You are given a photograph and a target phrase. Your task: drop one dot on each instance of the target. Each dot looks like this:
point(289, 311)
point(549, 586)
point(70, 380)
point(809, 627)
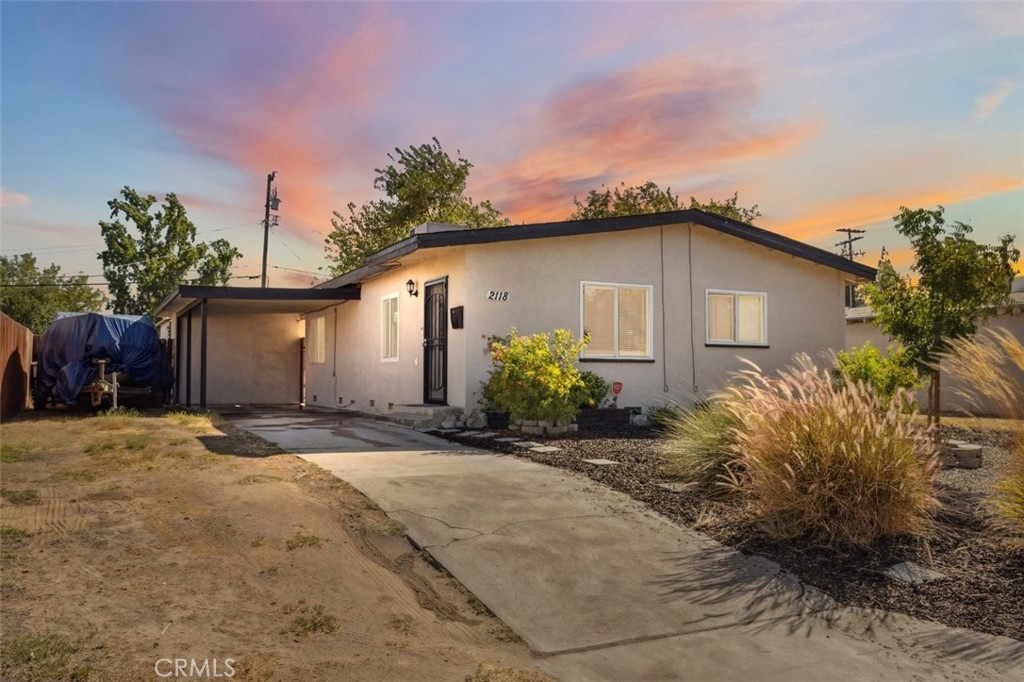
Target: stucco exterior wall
point(804, 303)
point(542, 278)
point(252, 358)
point(354, 373)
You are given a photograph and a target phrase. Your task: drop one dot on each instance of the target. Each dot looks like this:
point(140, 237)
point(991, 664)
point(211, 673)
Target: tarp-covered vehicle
point(89, 354)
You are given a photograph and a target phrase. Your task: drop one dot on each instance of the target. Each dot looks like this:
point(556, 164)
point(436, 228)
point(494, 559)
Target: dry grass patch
point(258, 478)
point(44, 658)
point(20, 497)
point(304, 538)
point(403, 623)
point(309, 620)
point(196, 422)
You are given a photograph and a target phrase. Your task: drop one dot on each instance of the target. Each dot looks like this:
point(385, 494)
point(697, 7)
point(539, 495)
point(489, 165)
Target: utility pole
point(272, 203)
point(847, 244)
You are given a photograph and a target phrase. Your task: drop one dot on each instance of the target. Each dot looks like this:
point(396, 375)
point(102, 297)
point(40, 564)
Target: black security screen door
point(435, 342)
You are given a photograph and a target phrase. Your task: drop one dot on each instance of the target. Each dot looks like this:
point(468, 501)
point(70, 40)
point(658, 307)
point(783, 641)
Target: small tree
point(34, 296)
point(143, 270)
point(650, 198)
point(957, 279)
point(884, 373)
point(423, 185)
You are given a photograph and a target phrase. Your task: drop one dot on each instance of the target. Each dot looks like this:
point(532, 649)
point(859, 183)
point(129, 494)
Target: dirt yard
point(134, 544)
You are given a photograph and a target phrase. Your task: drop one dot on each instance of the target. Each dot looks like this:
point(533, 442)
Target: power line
point(98, 284)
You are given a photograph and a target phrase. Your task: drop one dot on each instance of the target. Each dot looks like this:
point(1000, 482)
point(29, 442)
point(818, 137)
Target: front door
point(435, 342)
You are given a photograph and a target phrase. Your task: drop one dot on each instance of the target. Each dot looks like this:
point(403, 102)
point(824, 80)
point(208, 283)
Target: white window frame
point(650, 321)
point(735, 318)
point(385, 328)
point(317, 343)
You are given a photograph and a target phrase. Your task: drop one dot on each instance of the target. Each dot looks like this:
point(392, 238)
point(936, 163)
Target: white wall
point(805, 303)
point(360, 375)
point(542, 278)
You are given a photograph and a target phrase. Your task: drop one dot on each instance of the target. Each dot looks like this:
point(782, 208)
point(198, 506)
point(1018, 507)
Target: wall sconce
point(410, 286)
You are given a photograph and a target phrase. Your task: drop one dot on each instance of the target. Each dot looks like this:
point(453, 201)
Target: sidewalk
point(605, 589)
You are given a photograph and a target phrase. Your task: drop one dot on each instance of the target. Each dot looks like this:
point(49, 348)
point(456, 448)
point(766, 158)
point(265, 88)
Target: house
point(671, 301)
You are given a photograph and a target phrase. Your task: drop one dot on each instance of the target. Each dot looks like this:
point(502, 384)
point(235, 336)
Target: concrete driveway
point(604, 588)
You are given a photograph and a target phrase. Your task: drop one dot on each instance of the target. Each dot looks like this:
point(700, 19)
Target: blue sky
point(825, 115)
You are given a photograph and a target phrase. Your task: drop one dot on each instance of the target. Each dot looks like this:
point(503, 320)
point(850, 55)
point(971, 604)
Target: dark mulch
point(984, 564)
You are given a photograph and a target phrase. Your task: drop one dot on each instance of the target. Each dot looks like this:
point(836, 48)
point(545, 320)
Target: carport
point(241, 345)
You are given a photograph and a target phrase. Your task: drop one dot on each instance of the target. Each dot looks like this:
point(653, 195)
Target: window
point(618, 319)
point(317, 340)
point(737, 317)
point(389, 328)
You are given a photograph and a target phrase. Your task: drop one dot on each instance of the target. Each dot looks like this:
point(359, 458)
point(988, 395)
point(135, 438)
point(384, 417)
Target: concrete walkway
point(605, 589)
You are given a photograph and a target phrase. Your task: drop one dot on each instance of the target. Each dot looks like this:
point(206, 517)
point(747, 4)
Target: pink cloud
point(12, 198)
point(987, 103)
point(665, 119)
point(307, 123)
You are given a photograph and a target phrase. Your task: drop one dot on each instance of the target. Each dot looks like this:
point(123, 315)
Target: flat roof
point(253, 299)
point(378, 261)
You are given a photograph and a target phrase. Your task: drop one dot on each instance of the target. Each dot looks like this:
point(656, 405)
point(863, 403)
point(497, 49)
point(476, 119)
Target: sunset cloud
point(990, 101)
point(663, 119)
point(12, 198)
point(307, 124)
point(863, 210)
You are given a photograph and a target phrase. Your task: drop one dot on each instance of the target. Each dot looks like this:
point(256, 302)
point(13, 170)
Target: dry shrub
point(991, 367)
point(700, 443)
point(829, 462)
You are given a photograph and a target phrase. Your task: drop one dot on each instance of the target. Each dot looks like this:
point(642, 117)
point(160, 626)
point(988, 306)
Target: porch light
point(410, 286)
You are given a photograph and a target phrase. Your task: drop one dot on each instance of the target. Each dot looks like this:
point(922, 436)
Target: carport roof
point(252, 299)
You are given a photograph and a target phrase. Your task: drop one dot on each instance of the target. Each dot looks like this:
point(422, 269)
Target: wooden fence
point(16, 354)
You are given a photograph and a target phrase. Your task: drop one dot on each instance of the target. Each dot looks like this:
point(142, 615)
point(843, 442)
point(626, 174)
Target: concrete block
point(508, 440)
point(525, 444)
point(601, 462)
point(545, 448)
point(533, 430)
point(481, 435)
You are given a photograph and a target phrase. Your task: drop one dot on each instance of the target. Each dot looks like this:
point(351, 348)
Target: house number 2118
point(497, 295)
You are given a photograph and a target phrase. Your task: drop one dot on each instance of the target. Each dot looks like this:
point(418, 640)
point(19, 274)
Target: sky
point(825, 115)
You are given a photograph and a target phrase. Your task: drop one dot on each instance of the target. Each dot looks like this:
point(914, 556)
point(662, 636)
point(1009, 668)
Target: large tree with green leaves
point(957, 279)
point(149, 254)
point(34, 296)
point(609, 202)
point(422, 184)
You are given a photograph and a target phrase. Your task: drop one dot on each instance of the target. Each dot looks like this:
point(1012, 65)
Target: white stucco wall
point(252, 358)
point(543, 276)
point(354, 372)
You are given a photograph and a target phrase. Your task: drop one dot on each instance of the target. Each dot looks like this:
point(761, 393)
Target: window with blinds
point(317, 334)
point(737, 318)
point(389, 327)
point(618, 319)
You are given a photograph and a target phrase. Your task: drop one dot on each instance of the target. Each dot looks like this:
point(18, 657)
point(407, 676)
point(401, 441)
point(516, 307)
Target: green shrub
point(699, 443)
point(593, 392)
point(834, 462)
point(534, 377)
point(885, 373)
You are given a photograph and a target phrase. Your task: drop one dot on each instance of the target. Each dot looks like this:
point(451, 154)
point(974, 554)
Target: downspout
point(689, 272)
point(664, 320)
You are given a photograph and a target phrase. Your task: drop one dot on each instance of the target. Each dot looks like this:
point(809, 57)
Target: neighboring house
point(860, 329)
point(671, 301)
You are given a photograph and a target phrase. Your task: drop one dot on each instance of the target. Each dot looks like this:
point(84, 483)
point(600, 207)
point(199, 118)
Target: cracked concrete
point(608, 590)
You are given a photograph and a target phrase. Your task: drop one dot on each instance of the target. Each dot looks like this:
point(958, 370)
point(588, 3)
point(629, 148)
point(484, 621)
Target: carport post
point(177, 359)
point(202, 357)
point(188, 360)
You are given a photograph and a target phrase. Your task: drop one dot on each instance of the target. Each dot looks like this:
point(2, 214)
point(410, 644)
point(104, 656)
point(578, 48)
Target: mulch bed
point(983, 563)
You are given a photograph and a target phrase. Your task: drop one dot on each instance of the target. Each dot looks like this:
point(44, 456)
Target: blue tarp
point(130, 343)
